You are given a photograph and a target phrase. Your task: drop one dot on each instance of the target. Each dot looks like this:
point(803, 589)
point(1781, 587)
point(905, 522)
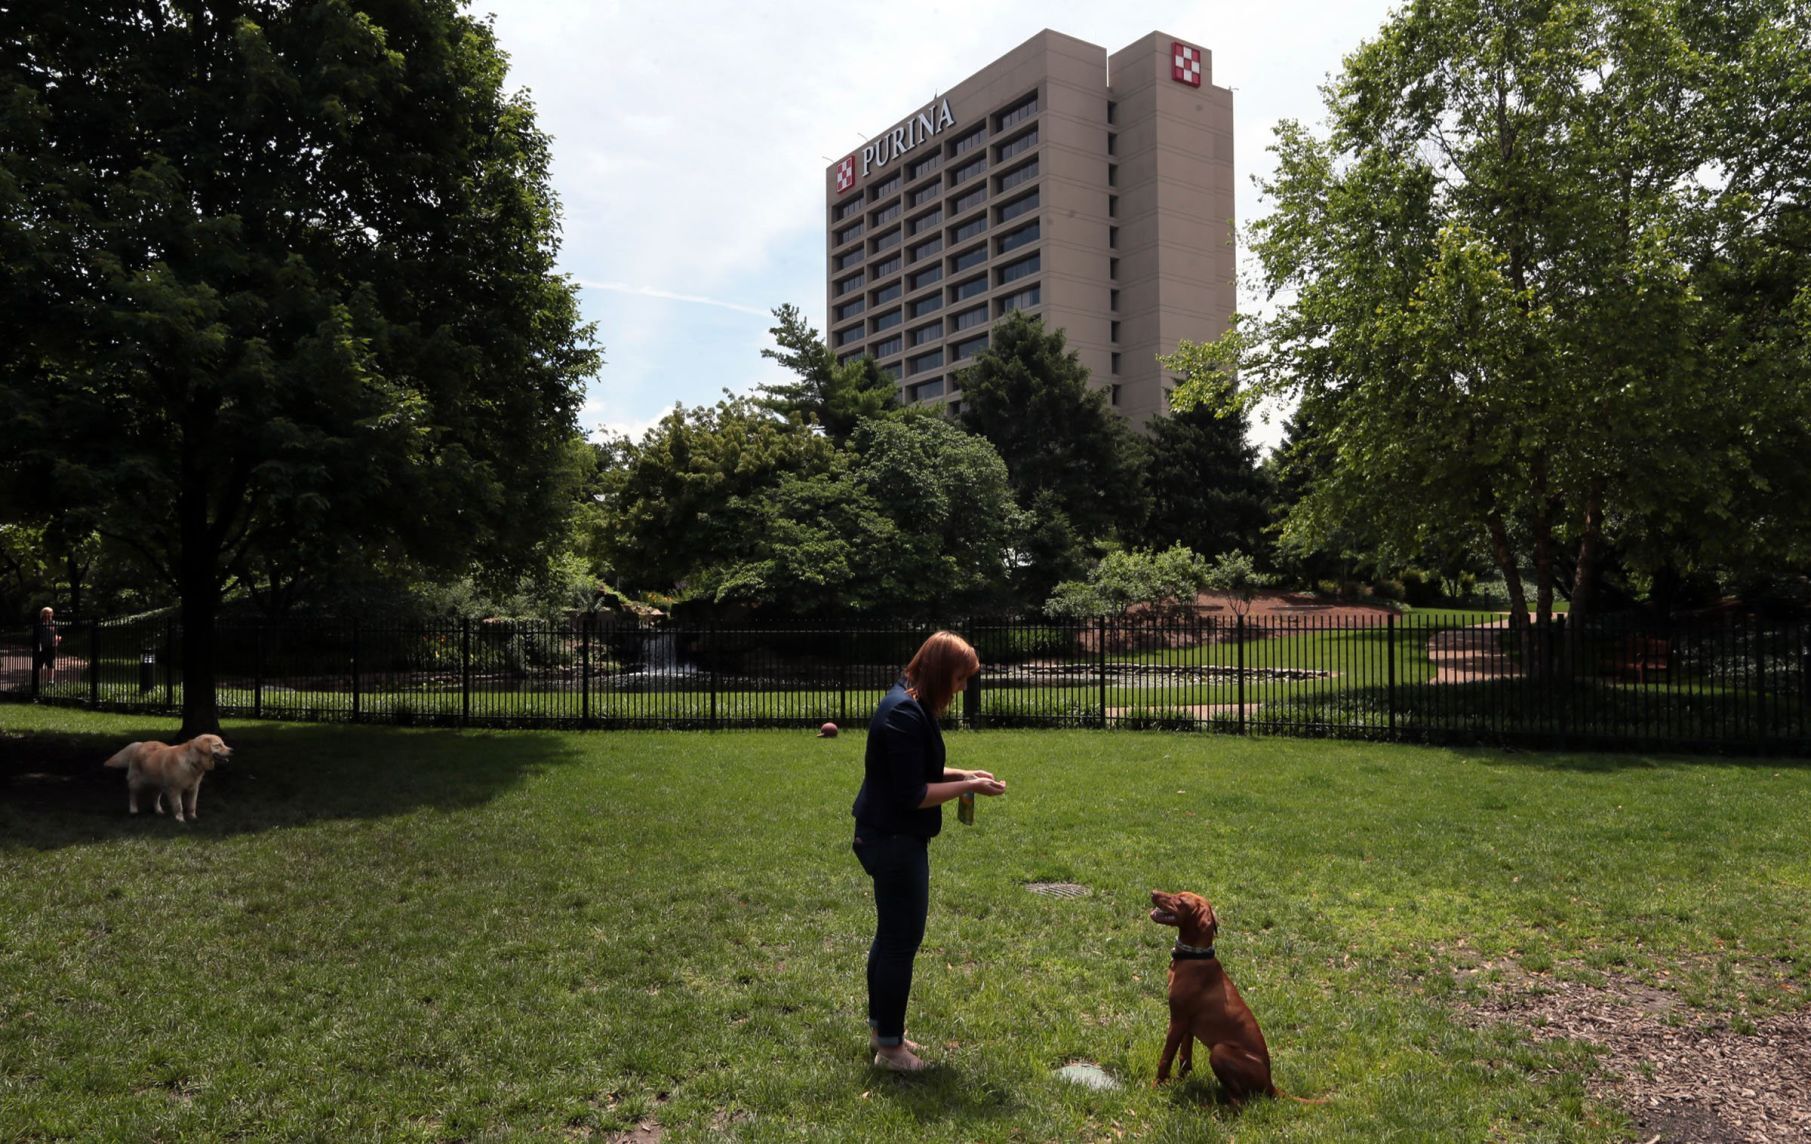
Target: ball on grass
point(827, 731)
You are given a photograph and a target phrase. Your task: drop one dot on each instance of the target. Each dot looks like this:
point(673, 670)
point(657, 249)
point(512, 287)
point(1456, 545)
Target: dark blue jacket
point(905, 754)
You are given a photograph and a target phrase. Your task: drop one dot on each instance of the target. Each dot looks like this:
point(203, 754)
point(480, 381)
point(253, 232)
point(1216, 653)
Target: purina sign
point(1185, 64)
point(890, 145)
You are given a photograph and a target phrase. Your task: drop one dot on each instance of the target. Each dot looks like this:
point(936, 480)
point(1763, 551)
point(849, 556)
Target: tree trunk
point(75, 586)
point(1512, 575)
point(1590, 550)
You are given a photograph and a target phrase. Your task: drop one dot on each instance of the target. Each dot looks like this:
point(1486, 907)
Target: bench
point(1641, 655)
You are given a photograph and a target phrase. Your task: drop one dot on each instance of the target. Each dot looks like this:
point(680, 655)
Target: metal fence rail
point(1736, 683)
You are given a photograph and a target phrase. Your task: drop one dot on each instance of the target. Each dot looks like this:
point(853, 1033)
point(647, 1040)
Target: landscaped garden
point(434, 935)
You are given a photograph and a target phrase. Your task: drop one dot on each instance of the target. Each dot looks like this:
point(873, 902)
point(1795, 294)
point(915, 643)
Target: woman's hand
point(980, 782)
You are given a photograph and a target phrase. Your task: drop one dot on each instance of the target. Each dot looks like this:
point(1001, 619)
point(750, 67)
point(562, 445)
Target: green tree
point(1513, 284)
point(1164, 583)
point(915, 518)
point(1234, 575)
point(1207, 489)
point(836, 396)
point(1072, 461)
point(680, 500)
point(279, 289)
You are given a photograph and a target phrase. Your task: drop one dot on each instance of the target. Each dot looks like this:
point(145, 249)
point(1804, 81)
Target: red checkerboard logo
point(845, 174)
point(1185, 64)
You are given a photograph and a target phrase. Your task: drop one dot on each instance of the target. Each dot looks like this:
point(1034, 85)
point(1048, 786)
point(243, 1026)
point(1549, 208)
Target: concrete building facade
point(1094, 190)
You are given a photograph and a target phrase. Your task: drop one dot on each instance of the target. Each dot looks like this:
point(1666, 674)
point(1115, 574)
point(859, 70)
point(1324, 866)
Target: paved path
point(1467, 655)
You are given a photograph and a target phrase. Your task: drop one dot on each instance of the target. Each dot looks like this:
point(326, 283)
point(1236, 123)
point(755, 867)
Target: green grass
point(423, 935)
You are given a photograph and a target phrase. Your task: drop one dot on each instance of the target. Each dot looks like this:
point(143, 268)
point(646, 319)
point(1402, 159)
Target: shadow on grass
point(943, 1093)
point(54, 791)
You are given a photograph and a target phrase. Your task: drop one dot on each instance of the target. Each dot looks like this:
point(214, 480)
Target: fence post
point(355, 695)
point(94, 663)
point(1101, 661)
point(842, 677)
point(971, 702)
point(1390, 654)
point(1240, 638)
point(716, 646)
point(36, 682)
point(465, 670)
point(1758, 636)
point(258, 669)
point(585, 668)
point(169, 666)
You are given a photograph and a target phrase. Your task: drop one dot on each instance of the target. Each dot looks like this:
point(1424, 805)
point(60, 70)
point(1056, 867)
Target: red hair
point(933, 673)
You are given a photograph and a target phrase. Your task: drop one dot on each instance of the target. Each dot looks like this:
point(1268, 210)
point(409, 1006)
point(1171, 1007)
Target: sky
point(690, 140)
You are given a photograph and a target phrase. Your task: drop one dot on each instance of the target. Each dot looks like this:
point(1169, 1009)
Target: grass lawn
point(426, 935)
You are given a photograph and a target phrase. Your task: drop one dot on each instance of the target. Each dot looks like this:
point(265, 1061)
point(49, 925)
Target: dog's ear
point(1204, 915)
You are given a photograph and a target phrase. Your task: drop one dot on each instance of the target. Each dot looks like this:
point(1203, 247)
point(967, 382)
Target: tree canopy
point(1545, 279)
point(279, 291)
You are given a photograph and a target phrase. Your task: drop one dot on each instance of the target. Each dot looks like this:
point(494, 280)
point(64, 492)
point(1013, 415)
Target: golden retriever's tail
point(124, 758)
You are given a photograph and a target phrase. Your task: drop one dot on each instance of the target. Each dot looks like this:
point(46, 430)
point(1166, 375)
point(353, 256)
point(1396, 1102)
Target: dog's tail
point(123, 759)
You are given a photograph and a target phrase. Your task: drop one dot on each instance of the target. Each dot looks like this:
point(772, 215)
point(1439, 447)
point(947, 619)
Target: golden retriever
point(176, 771)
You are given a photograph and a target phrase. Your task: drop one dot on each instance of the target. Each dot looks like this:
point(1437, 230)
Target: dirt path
point(1467, 655)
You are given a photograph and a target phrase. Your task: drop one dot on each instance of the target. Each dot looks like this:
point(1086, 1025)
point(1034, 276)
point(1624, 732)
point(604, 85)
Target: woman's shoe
point(900, 1060)
point(874, 1043)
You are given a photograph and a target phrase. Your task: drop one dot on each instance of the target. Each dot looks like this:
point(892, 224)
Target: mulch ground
point(1681, 1075)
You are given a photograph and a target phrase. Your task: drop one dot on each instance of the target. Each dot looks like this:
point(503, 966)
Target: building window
point(844, 210)
point(925, 305)
point(1021, 299)
point(926, 248)
point(887, 213)
point(1111, 108)
point(924, 361)
point(1018, 146)
point(1112, 299)
point(962, 351)
point(968, 319)
point(968, 258)
point(928, 218)
point(887, 348)
point(1115, 361)
point(926, 390)
point(1112, 142)
point(969, 142)
point(849, 258)
point(1113, 394)
point(1112, 206)
point(924, 194)
point(1113, 331)
point(885, 321)
point(849, 233)
point(968, 171)
point(1113, 268)
point(955, 408)
point(844, 337)
point(887, 241)
point(882, 190)
point(1013, 271)
point(1018, 175)
point(888, 293)
point(891, 371)
point(1113, 174)
point(851, 308)
point(969, 201)
point(968, 289)
point(1018, 112)
point(1018, 206)
point(924, 166)
point(844, 285)
point(1014, 239)
point(845, 359)
point(928, 275)
point(1113, 238)
point(925, 334)
point(883, 268)
point(968, 229)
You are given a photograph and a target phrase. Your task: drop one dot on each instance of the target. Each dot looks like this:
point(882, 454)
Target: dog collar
point(1192, 952)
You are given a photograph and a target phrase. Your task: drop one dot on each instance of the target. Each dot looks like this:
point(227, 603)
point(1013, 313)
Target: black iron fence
point(1737, 683)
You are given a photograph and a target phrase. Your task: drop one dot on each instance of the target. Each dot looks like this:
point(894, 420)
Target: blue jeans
point(900, 865)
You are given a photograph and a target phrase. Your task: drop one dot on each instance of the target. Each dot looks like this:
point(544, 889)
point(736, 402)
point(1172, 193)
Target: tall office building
point(1094, 190)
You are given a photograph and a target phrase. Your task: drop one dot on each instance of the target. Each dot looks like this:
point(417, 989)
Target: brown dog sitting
point(174, 771)
point(1206, 1006)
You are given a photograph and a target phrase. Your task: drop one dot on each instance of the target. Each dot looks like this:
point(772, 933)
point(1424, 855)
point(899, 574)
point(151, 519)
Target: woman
point(897, 812)
point(44, 641)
